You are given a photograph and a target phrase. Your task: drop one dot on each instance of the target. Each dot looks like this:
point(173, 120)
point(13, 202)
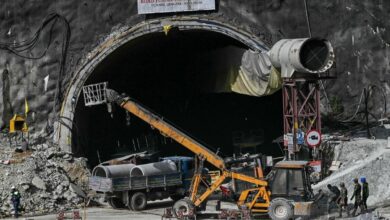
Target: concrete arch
point(62, 135)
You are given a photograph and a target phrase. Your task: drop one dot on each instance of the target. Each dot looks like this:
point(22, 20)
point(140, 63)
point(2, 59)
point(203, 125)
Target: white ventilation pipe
point(304, 55)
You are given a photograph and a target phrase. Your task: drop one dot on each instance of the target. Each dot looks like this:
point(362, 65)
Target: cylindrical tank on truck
point(132, 186)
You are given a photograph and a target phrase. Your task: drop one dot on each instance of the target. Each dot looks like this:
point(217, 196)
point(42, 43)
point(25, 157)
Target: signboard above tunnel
point(164, 6)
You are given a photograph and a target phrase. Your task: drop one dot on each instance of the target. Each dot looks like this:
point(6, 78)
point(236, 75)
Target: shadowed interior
point(182, 77)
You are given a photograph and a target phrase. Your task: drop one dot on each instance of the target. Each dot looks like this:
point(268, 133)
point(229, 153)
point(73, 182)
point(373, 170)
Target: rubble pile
point(48, 179)
point(362, 157)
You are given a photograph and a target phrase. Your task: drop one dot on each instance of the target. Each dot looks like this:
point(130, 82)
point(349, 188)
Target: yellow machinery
point(258, 203)
point(17, 123)
point(289, 183)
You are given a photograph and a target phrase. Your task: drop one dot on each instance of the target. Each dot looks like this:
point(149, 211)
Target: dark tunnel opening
point(177, 76)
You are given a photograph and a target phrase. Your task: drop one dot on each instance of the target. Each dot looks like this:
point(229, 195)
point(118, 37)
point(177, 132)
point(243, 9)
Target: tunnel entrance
point(176, 75)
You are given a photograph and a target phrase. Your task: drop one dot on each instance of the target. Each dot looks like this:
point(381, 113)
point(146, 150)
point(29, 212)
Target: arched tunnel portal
point(177, 75)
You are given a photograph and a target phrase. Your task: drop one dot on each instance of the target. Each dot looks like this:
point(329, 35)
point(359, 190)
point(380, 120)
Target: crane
point(259, 203)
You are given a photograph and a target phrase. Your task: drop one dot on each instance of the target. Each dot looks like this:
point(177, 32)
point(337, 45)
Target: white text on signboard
point(162, 6)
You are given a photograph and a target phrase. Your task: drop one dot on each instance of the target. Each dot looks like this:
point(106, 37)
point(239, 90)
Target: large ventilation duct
point(305, 55)
point(121, 170)
point(164, 167)
point(256, 77)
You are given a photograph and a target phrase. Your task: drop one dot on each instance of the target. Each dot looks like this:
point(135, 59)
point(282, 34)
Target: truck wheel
point(116, 203)
point(183, 207)
point(138, 201)
point(280, 209)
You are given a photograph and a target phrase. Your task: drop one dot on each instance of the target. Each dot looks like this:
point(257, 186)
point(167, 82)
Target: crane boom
point(166, 128)
point(202, 152)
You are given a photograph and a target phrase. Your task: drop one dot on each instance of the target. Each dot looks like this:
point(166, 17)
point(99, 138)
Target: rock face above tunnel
point(357, 30)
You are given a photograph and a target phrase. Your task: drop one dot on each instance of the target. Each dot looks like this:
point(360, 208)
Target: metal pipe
point(304, 55)
point(149, 169)
point(113, 171)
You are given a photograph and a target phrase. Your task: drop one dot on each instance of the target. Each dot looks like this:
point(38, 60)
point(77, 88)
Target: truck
point(120, 189)
point(283, 195)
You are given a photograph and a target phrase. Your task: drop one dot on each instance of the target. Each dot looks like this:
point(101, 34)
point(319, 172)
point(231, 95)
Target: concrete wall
point(357, 29)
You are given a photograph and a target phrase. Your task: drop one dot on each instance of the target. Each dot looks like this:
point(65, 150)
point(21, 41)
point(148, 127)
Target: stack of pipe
point(113, 171)
point(159, 168)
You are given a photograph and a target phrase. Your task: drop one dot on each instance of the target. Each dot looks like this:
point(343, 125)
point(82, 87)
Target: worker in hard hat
point(357, 194)
point(15, 199)
point(365, 192)
point(343, 200)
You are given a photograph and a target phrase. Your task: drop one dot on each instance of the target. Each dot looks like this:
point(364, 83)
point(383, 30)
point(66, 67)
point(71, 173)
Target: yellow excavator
point(203, 154)
point(289, 180)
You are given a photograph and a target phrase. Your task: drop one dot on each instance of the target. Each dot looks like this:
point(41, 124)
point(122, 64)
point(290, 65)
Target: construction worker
point(15, 199)
point(343, 200)
point(334, 196)
point(357, 194)
point(365, 192)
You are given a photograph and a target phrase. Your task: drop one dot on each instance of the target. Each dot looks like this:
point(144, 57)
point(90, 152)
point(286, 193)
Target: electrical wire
point(26, 46)
point(371, 88)
point(307, 18)
point(356, 111)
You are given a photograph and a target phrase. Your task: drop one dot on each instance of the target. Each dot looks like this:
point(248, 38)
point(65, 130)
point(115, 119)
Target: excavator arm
point(201, 151)
point(166, 128)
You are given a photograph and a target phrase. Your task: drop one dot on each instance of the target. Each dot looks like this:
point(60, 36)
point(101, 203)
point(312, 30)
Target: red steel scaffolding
point(301, 109)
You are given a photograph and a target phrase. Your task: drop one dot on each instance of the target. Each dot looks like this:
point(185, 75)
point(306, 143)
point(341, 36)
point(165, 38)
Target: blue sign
point(300, 137)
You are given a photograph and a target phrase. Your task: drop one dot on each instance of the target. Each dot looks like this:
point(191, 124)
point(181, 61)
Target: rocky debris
point(362, 157)
point(38, 182)
point(48, 179)
point(76, 189)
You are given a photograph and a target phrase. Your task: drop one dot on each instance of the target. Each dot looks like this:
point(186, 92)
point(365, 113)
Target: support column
point(301, 111)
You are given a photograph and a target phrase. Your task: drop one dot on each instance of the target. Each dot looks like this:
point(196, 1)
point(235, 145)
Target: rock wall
point(357, 30)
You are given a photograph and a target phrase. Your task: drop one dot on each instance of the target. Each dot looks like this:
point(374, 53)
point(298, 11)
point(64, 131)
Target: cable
point(26, 46)
point(357, 109)
point(371, 88)
point(65, 47)
point(307, 18)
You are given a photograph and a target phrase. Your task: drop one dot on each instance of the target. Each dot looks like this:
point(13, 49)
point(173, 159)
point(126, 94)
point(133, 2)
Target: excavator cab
point(291, 192)
point(290, 180)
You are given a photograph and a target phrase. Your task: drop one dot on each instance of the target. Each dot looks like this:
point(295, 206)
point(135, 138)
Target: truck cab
point(185, 166)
